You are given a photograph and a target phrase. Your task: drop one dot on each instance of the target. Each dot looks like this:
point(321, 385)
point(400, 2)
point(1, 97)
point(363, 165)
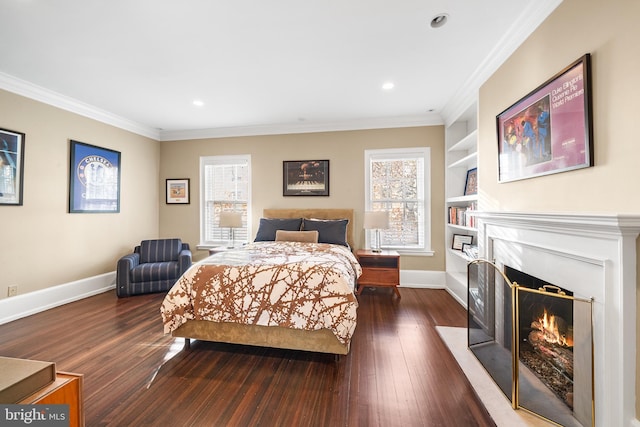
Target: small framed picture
point(178, 191)
point(471, 184)
point(459, 240)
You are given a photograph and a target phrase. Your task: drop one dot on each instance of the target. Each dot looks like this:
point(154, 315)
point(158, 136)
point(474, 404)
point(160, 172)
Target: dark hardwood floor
point(398, 373)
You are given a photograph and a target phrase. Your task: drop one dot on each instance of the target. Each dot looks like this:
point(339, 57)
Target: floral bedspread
point(297, 285)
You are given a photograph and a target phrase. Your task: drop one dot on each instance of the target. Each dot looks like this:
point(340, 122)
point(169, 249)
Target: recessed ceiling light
point(198, 103)
point(388, 86)
point(439, 20)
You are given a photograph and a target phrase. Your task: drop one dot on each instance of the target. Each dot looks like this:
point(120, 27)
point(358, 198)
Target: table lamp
point(376, 221)
point(231, 220)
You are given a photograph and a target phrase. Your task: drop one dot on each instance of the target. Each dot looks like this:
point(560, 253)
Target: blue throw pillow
point(329, 230)
point(268, 227)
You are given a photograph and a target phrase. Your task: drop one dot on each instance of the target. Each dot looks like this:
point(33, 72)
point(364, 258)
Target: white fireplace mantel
point(594, 256)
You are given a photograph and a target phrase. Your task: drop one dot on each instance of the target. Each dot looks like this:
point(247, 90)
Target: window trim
point(387, 153)
point(221, 160)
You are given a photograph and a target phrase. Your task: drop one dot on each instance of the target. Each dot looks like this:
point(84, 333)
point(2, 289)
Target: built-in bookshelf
point(461, 156)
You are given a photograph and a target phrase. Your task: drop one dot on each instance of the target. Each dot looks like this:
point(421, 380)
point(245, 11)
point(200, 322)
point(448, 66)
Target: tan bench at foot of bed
point(322, 341)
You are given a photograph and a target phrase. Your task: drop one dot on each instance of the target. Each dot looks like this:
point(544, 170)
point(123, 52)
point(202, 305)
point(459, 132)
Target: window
point(397, 181)
point(225, 185)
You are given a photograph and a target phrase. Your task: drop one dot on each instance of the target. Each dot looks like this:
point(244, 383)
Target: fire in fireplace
point(551, 329)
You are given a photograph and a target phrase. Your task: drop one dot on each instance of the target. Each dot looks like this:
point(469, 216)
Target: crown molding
point(431, 119)
point(534, 14)
point(38, 93)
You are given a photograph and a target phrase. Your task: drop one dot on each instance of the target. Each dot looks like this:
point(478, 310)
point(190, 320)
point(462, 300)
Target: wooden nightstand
point(379, 269)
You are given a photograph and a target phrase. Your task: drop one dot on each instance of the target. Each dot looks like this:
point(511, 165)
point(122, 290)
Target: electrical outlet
point(12, 291)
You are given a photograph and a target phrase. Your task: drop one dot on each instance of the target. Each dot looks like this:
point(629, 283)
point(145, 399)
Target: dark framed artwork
point(178, 191)
point(550, 130)
point(459, 240)
point(94, 179)
point(471, 184)
point(305, 178)
point(11, 167)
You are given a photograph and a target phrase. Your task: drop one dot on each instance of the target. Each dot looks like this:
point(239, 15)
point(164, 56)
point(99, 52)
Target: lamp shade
point(231, 219)
point(376, 220)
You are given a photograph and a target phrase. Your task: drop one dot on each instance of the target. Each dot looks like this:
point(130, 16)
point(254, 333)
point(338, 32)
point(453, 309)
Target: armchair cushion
point(153, 271)
point(160, 250)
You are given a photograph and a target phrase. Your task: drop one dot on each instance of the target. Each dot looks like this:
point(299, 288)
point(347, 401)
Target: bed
point(254, 295)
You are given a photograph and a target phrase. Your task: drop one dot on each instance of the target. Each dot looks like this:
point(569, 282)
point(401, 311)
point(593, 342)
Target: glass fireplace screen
point(535, 340)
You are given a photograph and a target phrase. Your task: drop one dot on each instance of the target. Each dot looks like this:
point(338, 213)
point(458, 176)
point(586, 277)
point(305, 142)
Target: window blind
point(225, 187)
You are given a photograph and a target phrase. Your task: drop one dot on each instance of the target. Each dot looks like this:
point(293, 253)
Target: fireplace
point(525, 335)
point(591, 258)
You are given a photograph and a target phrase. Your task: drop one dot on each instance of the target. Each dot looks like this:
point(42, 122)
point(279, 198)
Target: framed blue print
point(94, 179)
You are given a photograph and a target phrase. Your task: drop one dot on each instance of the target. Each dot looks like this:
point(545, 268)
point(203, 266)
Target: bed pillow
point(297, 236)
point(268, 227)
point(329, 230)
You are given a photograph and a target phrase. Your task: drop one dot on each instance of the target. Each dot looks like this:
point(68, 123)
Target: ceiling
point(258, 66)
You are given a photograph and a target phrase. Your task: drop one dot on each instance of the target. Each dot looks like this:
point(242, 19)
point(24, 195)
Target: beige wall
point(42, 244)
point(610, 32)
point(345, 151)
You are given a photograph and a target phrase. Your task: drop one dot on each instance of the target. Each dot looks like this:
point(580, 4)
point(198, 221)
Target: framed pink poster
point(550, 130)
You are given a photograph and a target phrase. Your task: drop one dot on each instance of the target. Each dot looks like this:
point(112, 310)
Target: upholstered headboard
point(317, 214)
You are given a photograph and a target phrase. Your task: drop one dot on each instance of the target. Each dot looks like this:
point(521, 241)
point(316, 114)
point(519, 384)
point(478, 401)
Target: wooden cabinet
point(66, 389)
point(379, 269)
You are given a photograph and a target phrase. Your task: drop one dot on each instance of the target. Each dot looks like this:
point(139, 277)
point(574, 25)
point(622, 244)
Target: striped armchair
point(154, 266)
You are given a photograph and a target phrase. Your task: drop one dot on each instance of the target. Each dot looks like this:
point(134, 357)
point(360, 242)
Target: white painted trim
point(24, 305)
point(307, 127)
point(424, 279)
point(535, 13)
point(38, 93)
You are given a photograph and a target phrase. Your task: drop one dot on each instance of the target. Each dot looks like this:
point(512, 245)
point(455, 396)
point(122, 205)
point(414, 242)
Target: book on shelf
point(462, 215)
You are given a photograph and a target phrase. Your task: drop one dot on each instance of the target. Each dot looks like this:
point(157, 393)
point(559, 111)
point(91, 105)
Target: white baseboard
point(422, 279)
point(13, 308)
